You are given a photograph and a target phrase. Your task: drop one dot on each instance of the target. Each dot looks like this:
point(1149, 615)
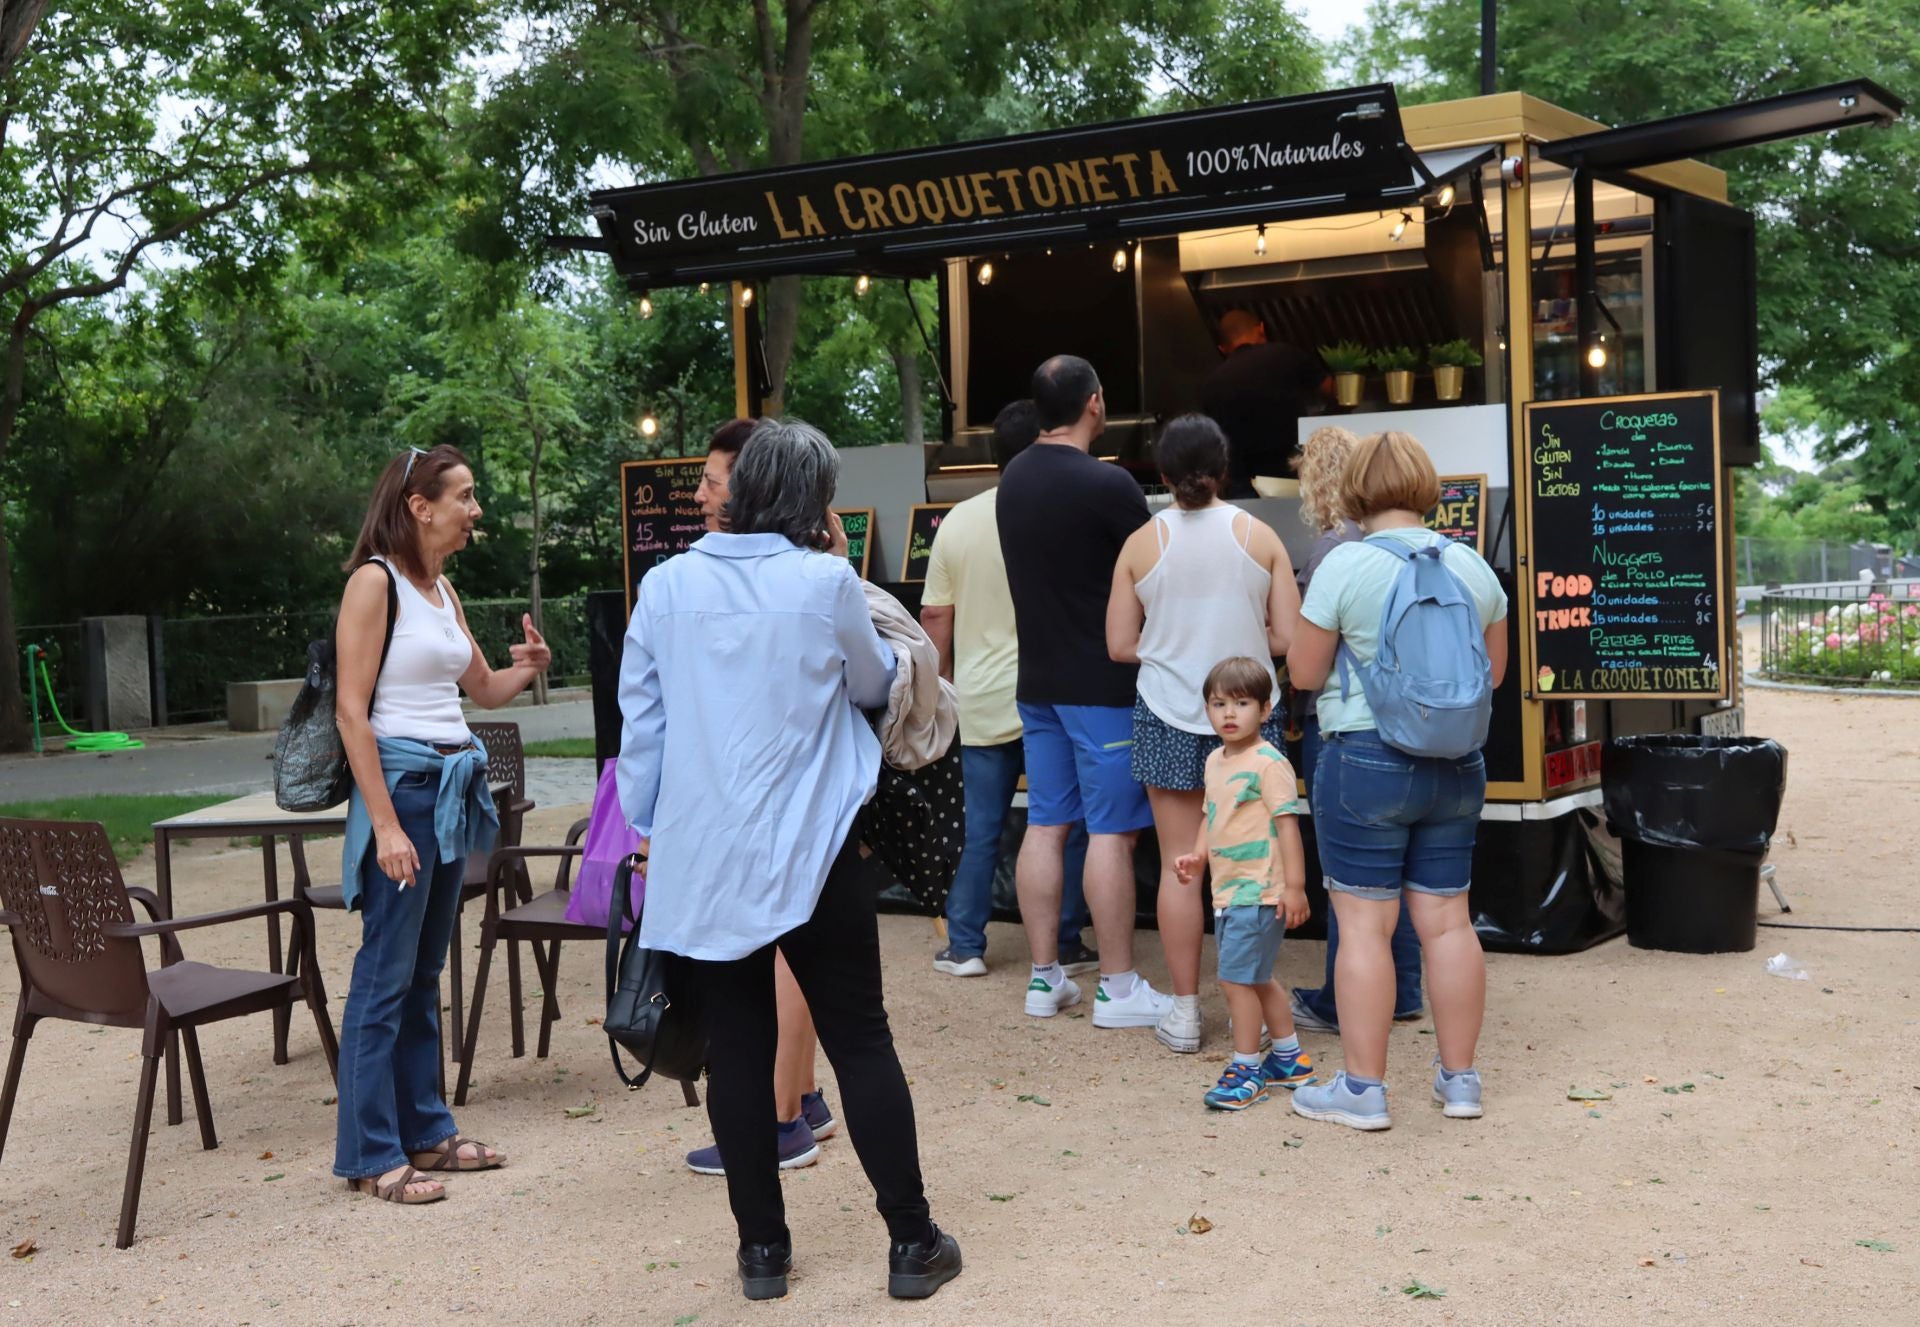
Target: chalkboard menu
point(858, 523)
point(923, 522)
point(1460, 514)
point(659, 514)
point(1624, 548)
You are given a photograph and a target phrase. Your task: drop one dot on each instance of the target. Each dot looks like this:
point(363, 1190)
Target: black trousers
point(835, 957)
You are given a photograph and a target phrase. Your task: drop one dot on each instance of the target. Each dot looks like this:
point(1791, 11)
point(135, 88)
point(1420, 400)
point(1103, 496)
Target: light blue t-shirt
point(1348, 593)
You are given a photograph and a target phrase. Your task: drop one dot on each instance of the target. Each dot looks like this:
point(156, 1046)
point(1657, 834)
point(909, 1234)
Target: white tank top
point(418, 694)
point(1206, 600)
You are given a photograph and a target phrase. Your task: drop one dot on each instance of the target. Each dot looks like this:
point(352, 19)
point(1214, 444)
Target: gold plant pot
point(1400, 387)
point(1449, 380)
point(1346, 388)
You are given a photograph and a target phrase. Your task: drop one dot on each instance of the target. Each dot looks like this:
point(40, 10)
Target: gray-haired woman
point(745, 760)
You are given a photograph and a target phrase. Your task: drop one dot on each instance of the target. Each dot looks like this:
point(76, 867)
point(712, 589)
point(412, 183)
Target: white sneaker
point(1044, 1001)
point(1181, 1029)
point(959, 965)
point(1142, 1009)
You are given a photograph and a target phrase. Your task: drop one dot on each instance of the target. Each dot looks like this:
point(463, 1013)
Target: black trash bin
point(1694, 816)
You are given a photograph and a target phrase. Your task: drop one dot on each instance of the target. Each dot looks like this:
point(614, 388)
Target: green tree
point(198, 134)
point(1837, 214)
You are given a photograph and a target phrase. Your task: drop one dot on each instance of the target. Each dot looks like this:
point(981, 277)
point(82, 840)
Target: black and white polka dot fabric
point(1170, 758)
point(916, 824)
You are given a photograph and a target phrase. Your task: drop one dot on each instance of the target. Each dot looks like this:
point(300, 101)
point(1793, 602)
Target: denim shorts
point(1387, 821)
point(1249, 942)
point(1078, 759)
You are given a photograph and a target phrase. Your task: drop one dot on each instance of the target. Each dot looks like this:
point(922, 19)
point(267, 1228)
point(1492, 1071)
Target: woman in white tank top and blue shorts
point(1203, 581)
point(419, 806)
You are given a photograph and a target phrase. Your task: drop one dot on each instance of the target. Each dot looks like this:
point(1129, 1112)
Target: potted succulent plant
point(1397, 364)
point(1451, 360)
point(1348, 362)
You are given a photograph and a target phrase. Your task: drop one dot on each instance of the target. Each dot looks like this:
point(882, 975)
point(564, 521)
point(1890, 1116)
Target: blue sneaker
point(1459, 1096)
point(797, 1149)
point(1239, 1087)
point(819, 1115)
point(1339, 1103)
point(1288, 1071)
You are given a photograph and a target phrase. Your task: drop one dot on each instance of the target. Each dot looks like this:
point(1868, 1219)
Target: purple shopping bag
point(609, 838)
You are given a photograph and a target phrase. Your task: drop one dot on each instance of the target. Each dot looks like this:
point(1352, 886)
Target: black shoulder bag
point(651, 1007)
point(310, 770)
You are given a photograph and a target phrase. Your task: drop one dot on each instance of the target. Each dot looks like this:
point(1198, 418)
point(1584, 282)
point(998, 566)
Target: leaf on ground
point(1419, 1289)
point(1649, 1079)
point(1877, 1245)
point(26, 1248)
point(1671, 1091)
point(1686, 1087)
point(1198, 1224)
point(580, 1112)
point(277, 1175)
point(329, 1101)
point(1648, 1262)
point(1595, 1115)
point(1036, 1100)
point(1000, 1197)
point(1473, 1198)
point(1808, 1262)
point(1588, 1094)
point(1291, 1142)
point(996, 1083)
point(266, 1156)
point(593, 1022)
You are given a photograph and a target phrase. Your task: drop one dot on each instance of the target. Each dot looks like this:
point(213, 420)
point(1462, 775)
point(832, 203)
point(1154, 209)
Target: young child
point(1252, 842)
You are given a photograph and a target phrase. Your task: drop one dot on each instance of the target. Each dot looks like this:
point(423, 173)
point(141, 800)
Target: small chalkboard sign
point(858, 523)
point(659, 514)
point(923, 522)
point(1460, 514)
point(1624, 558)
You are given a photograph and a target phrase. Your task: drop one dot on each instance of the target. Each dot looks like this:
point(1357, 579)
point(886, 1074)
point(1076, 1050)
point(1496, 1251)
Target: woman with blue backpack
point(1403, 634)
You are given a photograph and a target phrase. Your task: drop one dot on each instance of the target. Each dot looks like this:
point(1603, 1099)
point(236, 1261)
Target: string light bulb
point(704, 287)
point(646, 306)
point(746, 297)
point(1597, 355)
point(862, 284)
point(1446, 196)
point(1119, 260)
point(985, 275)
point(1260, 240)
point(649, 425)
point(1399, 230)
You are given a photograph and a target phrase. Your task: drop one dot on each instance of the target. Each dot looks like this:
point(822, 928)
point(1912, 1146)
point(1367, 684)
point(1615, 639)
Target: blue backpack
point(1430, 684)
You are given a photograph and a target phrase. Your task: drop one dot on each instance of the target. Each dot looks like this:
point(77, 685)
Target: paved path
point(208, 759)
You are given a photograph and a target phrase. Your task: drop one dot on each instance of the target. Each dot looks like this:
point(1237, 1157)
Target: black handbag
point(310, 770)
point(652, 1010)
point(917, 825)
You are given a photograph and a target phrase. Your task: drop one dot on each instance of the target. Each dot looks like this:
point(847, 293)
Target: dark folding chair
point(513, 913)
point(78, 948)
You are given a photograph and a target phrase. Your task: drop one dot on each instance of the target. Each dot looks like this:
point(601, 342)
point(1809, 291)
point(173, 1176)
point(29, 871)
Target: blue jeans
point(990, 774)
point(389, 1080)
point(1406, 942)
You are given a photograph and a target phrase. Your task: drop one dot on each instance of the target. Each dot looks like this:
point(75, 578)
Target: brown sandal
point(395, 1190)
point(447, 1156)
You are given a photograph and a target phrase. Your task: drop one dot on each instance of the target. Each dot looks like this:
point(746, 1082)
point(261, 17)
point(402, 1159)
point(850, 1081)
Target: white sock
point(1052, 974)
point(1291, 1046)
point(1118, 985)
point(1187, 1004)
point(1251, 1058)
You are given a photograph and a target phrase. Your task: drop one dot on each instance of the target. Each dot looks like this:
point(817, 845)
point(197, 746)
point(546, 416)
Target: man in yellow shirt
point(968, 611)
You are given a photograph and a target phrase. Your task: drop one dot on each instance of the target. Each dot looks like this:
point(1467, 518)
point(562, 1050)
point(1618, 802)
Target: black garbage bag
point(1694, 816)
point(1683, 790)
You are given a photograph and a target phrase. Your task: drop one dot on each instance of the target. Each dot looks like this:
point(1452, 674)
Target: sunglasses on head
point(415, 454)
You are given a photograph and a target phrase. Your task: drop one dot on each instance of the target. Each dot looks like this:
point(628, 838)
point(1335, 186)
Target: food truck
point(1599, 277)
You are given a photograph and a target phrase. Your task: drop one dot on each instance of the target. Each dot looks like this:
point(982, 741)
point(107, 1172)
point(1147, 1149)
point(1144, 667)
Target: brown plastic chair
point(78, 948)
point(506, 772)
point(515, 913)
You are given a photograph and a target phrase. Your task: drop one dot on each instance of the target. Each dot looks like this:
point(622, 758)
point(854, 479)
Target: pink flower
point(1819, 619)
point(1833, 640)
point(1911, 610)
point(1869, 633)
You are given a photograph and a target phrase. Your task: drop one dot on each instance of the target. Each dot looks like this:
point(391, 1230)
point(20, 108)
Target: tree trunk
point(913, 416)
point(534, 606)
point(780, 327)
point(14, 735)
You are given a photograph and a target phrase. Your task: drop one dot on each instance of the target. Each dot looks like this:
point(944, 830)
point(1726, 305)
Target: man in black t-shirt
point(1063, 516)
point(1257, 397)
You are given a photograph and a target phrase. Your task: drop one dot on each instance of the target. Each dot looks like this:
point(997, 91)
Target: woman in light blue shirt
point(745, 759)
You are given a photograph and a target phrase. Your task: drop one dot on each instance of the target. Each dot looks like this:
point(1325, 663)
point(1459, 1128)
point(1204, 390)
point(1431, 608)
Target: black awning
point(1636, 146)
point(903, 213)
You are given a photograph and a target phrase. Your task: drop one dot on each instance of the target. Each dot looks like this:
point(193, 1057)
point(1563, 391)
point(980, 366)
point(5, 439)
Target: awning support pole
point(1586, 299)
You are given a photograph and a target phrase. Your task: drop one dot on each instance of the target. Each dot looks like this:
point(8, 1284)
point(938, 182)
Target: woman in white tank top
point(1203, 581)
point(419, 806)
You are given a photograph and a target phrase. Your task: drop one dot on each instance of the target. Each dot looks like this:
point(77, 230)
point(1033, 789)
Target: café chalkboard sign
point(858, 523)
point(923, 522)
point(659, 514)
point(1624, 556)
point(1460, 514)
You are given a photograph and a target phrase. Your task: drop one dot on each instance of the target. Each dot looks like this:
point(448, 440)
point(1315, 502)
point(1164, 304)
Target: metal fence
point(203, 654)
point(1842, 633)
point(1814, 561)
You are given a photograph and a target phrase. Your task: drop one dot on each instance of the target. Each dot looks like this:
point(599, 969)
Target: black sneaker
point(764, 1268)
point(915, 1271)
point(1076, 958)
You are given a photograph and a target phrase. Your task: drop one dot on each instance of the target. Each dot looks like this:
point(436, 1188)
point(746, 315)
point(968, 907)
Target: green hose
point(76, 740)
